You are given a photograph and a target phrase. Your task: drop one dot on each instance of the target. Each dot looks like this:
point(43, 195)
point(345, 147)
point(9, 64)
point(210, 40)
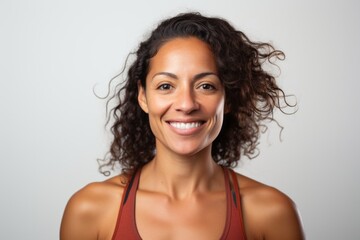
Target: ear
point(142, 98)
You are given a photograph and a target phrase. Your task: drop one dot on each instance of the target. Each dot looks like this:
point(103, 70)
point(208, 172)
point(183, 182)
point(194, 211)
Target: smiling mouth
point(185, 126)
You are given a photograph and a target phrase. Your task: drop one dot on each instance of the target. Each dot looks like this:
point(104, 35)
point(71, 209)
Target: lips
point(185, 125)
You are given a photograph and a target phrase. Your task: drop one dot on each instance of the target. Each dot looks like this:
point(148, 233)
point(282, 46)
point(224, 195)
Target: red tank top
point(126, 226)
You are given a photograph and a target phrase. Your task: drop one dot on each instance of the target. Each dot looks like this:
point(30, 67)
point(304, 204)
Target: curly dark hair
point(251, 93)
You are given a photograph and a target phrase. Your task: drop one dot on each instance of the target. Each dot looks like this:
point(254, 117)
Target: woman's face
point(184, 97)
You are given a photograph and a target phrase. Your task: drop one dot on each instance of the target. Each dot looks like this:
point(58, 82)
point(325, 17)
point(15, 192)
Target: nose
point(186, 101)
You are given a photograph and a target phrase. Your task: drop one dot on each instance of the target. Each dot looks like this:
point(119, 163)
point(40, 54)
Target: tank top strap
point(126, 225)
point(228, 205)
point(237, 229)
point(236, 190)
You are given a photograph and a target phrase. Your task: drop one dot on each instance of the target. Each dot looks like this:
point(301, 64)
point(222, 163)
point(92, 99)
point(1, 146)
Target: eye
point(207, 86)
point(165, 86)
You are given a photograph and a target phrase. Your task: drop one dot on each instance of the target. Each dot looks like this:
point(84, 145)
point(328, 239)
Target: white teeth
point(182, 125)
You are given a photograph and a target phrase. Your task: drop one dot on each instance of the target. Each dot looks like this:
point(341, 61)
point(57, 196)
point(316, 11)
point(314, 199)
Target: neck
point(181, 176)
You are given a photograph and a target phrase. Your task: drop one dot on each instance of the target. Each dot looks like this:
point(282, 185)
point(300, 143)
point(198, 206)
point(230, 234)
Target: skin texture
point(182, 180)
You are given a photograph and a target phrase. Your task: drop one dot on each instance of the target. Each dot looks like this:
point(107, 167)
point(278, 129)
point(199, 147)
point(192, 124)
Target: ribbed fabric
point(234, 228)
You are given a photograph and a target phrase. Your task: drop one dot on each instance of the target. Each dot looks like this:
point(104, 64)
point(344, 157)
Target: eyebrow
point(196, 77)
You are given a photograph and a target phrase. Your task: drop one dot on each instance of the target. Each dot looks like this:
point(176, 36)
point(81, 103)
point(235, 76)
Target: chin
point(188, 151)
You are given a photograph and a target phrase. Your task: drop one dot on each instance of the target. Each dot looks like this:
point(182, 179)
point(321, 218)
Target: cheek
point(215, 110)
point(219, 106)
point(157, 105)
point(220, 112)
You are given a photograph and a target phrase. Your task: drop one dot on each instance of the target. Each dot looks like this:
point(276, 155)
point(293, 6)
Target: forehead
point(189, 52)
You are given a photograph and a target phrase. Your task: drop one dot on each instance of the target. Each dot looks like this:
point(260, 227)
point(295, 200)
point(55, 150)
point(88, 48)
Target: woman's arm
point(284, 222)
point(80, 216)
point(268, 213)
point(91, 213)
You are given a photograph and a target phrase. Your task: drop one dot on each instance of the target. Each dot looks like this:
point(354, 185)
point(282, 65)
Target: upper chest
point(200, 217)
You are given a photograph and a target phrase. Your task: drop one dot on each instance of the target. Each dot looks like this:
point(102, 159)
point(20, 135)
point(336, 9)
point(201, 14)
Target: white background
point(52, 54)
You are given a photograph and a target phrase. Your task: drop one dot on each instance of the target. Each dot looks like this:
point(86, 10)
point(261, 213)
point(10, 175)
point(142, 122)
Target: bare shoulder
point(268, 212)
point(91, 212)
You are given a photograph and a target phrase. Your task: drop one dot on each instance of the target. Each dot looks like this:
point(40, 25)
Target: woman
point(192, 104)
